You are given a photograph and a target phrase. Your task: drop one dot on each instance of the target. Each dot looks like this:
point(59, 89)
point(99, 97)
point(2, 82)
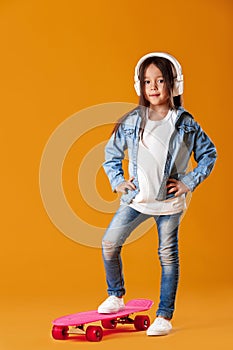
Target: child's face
point(155, 90)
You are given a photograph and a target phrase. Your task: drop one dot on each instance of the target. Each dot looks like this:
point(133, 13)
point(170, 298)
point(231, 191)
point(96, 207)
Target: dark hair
point(169, 73)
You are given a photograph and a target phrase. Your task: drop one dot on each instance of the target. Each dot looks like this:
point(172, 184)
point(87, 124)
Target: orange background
point(58, 58)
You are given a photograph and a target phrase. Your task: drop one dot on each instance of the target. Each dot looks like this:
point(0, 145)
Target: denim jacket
point(187, 138)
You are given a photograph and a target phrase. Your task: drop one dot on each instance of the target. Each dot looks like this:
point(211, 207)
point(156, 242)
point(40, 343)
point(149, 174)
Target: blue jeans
point(123, 223)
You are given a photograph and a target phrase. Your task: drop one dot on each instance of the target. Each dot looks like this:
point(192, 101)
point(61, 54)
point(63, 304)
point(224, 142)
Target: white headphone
point(178, 81)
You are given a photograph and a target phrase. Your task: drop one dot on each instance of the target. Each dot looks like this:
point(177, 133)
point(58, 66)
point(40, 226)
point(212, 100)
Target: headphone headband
point(178, 81)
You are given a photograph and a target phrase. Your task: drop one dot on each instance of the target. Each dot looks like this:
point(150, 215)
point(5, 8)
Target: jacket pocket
point(128, 132)
point(187, 134)
point(186, 128)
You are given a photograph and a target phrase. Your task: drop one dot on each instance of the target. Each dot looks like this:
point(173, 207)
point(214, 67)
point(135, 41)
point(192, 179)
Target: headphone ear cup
point(178, 87)
point(137, 87)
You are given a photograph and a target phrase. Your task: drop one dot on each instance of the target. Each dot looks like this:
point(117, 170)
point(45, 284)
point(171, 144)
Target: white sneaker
point(160, 326)
point(112, 304)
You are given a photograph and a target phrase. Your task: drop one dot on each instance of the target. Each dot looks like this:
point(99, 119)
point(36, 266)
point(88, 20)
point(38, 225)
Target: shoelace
point(111, 300)
point(161, 321)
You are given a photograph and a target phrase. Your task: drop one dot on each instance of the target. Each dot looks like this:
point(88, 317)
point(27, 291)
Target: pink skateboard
point(74, 323)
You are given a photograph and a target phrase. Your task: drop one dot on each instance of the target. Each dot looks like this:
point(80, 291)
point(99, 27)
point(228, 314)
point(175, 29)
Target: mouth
point(155, 95)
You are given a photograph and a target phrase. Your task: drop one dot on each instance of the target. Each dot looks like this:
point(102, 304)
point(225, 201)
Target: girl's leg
point(123, 223)
point(168, 226)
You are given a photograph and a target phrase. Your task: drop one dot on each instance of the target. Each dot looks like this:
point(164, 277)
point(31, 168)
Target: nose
point(154, 86)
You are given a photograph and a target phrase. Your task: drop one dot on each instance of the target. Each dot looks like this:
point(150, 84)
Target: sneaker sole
point(158, 333)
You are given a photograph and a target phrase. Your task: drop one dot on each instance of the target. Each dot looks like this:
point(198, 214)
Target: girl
point(160, 136)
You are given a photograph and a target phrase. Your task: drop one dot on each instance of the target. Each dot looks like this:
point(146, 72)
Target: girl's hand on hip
point(125, 186)
point(176, 186)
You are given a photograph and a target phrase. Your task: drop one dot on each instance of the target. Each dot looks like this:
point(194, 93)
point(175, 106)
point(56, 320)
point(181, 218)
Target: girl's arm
point(205, 155)
point(114, 154)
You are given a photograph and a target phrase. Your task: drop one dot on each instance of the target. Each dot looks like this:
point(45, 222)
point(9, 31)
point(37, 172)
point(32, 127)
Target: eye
point(146, 82)
point(160, 81)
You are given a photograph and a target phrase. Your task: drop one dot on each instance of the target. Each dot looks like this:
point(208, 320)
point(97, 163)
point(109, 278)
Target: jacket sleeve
point(205, 156)
point(114, 154)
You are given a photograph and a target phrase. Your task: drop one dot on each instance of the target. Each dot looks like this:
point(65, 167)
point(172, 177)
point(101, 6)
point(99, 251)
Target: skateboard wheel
point(109, 324)
point(141, 323)
point(60, 333)
point(94, 333)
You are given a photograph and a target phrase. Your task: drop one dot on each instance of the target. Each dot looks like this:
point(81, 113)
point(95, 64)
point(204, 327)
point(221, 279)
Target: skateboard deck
point(62, 325)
